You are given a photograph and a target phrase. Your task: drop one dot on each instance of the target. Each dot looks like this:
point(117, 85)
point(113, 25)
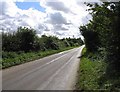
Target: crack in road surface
point(55, 72)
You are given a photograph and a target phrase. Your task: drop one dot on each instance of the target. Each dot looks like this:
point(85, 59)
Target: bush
point(9, 55)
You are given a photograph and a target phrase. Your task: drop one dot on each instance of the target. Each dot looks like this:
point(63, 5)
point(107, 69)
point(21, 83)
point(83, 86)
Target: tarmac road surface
point(54, 72)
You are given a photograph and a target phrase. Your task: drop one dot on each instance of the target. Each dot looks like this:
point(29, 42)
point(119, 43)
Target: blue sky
point(27, 5)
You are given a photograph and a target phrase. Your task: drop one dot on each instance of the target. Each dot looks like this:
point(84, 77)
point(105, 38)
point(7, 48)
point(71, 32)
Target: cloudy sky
point(59, 17)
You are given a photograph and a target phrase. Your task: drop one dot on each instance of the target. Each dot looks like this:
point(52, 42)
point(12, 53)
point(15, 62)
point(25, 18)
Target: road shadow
point(80, 56)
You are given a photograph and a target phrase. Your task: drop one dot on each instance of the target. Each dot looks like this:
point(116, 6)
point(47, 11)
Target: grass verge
point(89, 73)
point(97, 75)
point(13, 58)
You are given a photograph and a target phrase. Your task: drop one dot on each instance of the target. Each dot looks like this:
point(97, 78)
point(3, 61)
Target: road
point(55, 72)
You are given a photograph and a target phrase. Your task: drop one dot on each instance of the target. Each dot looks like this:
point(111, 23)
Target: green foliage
point(96, 75)
point(102, 37)
point(22, 40)
point(26, 40)
point(10, 42)
point(89, 72)
point(9, 55)
point(50, 42)
point(103, 31)
point(91, 38)
point(16, 58)
point(24, 46)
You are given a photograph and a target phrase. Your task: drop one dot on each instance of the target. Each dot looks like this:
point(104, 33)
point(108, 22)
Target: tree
point(91, 38)
point(26, 38)
point(103, 29)
point(10, 42)
point(50, 42)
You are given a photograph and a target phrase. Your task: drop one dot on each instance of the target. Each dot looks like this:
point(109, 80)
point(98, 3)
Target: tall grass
point(97, 75)
point(89, 73)
point(15, 58)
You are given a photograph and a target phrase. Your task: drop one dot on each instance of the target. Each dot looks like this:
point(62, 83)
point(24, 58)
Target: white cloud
point(58, 6)
point(13, 17)
point(61, 18)
point(56, 18)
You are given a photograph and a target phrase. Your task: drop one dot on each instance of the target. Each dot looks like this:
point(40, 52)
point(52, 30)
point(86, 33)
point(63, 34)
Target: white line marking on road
point(51, 78)
point(28, 73)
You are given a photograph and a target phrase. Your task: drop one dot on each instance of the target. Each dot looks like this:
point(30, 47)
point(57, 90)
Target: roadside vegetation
point(100, 60)
point(16, 58)
point(24, 46)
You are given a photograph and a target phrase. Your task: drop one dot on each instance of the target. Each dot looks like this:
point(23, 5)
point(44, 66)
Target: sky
point(60, 18)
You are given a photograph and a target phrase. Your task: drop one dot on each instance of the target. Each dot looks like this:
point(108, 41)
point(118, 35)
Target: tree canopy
point(26, 39)
point(103, 31)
